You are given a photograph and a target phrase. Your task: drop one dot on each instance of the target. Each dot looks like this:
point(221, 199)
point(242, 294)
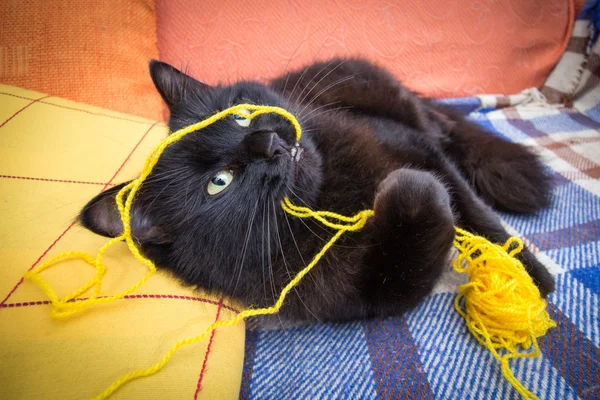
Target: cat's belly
point(358, 159)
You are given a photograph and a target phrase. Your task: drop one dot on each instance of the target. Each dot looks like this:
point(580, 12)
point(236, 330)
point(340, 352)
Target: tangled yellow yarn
point(502, 306)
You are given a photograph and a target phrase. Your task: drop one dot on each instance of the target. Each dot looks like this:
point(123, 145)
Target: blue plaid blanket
point(428, 353)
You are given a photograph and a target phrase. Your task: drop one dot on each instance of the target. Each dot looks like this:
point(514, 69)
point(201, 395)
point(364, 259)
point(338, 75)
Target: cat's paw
point(413, 194)
point(414, 229)
point(414, 206)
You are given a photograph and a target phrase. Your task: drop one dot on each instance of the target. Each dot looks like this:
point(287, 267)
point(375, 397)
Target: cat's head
point(209, 208)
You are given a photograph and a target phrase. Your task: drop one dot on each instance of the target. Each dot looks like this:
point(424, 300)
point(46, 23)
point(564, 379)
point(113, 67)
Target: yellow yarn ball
point(501, 304)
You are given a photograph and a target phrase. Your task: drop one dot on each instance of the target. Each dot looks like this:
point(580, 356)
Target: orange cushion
point(441, 48)
point(95, 52)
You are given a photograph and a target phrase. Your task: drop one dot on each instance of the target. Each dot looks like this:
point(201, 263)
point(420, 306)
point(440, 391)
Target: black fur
point(368, 143)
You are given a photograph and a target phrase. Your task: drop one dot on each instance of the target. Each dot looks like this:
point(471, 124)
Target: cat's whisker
point(322, 227)
point(294, 54)
point(245, 247)
point(262, 252)
point(273, 288)
point(319, 81)
point(326, 88)
point(329, 87)
point(154, 177)
point(149, 206)
point(326, 111)
point(304, 222)
point(290, 276)
point(165, 175)
point(296, 85)
point(313, 60)
point(187, 196)
point(297, 101)
point(194, 206)
point(303, 118)
point(296, 193)
point(272, 280)
point(287, 220)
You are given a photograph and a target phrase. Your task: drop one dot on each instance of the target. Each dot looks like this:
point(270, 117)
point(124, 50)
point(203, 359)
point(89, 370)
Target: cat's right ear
point(102, 217)
point(173, 84)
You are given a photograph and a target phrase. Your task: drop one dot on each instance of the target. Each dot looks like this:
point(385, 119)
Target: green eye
point(241, 120)
point(219, 182)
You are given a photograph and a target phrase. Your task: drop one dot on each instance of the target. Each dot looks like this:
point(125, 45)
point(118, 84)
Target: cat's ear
point(101, 216)
point(172, 84)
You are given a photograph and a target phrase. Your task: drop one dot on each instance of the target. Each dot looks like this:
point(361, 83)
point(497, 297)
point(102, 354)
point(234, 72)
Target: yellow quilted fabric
point(55, 155)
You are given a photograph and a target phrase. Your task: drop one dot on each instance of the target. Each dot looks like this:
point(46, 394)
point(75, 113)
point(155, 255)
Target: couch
point(78, 114)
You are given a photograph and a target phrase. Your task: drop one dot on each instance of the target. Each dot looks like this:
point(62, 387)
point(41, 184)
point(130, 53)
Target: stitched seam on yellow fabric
point(495, 324)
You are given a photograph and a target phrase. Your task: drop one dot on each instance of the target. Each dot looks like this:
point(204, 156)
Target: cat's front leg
point(414, 230)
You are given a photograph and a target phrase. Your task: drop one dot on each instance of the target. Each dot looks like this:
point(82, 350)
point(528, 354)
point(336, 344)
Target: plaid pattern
point(429, 353)
point(586, 98)
point(569, 72)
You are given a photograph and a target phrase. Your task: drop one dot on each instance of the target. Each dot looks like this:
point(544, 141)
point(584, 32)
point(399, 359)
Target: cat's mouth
point(296, 152)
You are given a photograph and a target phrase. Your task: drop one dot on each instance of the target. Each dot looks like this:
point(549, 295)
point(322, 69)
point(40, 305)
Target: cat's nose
point(265, 144)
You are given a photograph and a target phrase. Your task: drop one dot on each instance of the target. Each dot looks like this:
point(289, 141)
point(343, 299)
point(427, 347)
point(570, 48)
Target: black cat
point(210, 210)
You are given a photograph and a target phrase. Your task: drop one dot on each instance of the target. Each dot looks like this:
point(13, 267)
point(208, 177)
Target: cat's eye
point(219, 182)
point(241, 120)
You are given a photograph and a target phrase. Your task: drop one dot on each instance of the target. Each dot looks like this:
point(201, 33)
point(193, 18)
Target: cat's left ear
point(101, 216)
point(173, 84)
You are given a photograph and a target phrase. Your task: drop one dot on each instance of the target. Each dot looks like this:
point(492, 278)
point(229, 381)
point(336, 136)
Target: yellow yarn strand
point(65, 307)
point(502, 306)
